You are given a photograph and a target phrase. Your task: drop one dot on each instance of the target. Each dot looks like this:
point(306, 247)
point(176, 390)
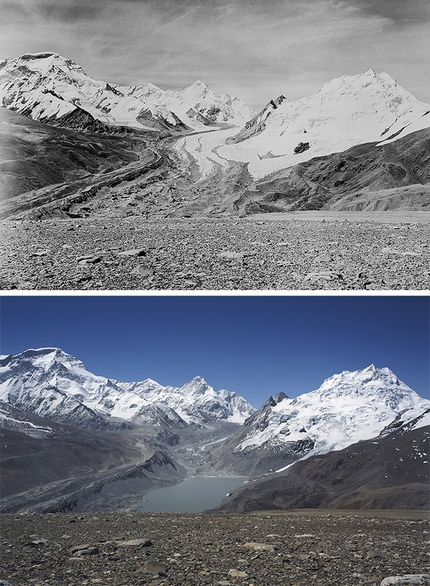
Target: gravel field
point(296, 548)
point(298, 251)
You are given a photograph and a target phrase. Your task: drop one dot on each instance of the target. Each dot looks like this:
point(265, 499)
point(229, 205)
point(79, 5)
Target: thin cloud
point(51, 11)
point(250, 48)
point(399, 12)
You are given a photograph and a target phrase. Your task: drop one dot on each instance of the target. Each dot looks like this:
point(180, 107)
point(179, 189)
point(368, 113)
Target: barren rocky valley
point(302, 250)
point(293, 548)
point(107, 208)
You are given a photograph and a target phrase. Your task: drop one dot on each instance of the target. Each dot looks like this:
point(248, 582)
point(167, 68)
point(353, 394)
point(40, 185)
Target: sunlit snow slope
point(56, 385)
point(347, 111)
point(346, 408)
point(48, 87)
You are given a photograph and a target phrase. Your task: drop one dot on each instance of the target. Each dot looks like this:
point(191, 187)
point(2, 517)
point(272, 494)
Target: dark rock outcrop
point(257, 124)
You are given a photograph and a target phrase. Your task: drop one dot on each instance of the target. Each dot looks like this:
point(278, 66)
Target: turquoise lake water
point(194, 495)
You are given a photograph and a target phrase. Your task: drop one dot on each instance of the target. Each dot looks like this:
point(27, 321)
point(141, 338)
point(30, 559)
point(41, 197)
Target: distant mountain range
point(57, 386)
point(360, 143)
point(51, 404)
point(350, 110)
point(49, 88)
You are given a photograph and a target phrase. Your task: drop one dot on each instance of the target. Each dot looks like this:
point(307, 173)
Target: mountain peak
point(196, 386)
point(43, 62)
point(40, 55)
point(274, 400)
point(347, 407)
point(47, 86)
point(199, 84)
point(362, 378)
point(370, 72)
point(33, 379)
point(195, 92)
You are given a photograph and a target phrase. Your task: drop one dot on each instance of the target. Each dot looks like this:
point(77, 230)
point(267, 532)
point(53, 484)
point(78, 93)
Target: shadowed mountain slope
point(383, 473)
point(365, 177)
point(35, 155)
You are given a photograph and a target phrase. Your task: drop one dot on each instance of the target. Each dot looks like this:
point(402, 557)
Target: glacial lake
point(194, 495)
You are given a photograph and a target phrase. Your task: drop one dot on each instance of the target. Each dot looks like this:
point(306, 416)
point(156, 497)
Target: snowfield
point(52, 383)
point(347, 408)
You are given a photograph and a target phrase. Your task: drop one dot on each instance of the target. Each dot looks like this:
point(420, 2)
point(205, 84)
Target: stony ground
point(292, 549)
point(290, 252)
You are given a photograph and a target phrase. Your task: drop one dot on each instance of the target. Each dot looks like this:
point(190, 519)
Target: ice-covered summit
point(349, 110)
point(346, 408)
point(56, 385)
point(49, 88)
point(47, 61)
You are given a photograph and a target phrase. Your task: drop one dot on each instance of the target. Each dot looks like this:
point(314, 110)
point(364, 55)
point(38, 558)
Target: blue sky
point(254, 345)
point(254, 49)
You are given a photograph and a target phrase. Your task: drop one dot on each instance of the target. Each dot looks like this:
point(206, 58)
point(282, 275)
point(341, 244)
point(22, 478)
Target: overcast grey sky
point(250, 48)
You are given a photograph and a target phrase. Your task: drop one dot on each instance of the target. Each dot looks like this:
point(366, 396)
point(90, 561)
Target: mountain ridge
point(52, 382)
point(390, 471)
point(346, 111)
point(50, 88)
point(346, 408)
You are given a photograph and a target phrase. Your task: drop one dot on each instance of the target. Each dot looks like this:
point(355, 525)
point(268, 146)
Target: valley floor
point(289, 251)
point(347, 548)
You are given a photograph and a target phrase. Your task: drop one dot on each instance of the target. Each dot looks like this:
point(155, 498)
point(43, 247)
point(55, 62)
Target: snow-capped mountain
point(389, 472)
point(347, 111)
point(347, 408)
point(52, 89)
point(57, 386)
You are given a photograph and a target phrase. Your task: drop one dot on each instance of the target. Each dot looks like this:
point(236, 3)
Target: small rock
point(407, 580)
point(89, 551)
point(135, 542)
point(89, 259)
point(237, 573)
point(259, 546)
point(376, 554)
point(133, 252)
point(84, 550)
point(142, 271)
point(154, 568)
point(232, 255)
point(40, 253)
point(323, 258)
point(326, 275)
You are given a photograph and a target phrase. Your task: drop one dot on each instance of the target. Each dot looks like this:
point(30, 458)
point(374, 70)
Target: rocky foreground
point(295, 548)
point(297, 251)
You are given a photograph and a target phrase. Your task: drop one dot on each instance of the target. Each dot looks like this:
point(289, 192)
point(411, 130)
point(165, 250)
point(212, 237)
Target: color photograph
point(263, 428)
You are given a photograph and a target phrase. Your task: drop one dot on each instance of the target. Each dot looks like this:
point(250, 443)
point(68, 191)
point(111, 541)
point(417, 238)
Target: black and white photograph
point(226, 145)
